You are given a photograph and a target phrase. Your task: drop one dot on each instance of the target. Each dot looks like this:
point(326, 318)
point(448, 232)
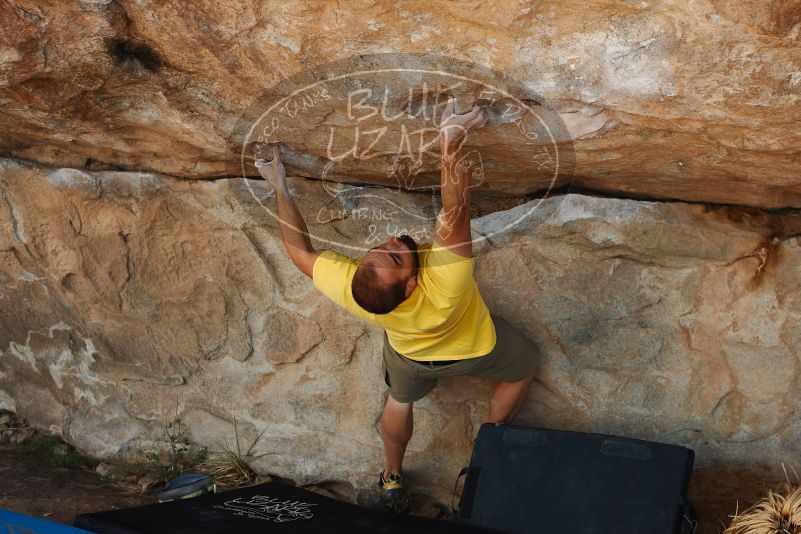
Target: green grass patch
point(49, 450)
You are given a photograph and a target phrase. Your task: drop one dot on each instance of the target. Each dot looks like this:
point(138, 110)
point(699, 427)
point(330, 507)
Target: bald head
point(386, 276)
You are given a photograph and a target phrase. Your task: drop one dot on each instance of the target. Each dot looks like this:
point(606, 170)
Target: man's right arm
point(452, 229)
point(449, 265)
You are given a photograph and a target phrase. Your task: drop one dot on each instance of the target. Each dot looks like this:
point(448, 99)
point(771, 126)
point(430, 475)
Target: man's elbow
point(455, 219)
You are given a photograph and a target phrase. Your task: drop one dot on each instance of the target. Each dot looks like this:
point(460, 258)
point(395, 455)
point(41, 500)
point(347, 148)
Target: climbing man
point(435, 322)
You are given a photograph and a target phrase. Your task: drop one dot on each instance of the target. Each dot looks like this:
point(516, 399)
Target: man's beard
point(409, 242)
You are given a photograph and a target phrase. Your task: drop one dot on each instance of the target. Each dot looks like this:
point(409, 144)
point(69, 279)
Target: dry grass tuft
point(230, 466)
point(778, 513)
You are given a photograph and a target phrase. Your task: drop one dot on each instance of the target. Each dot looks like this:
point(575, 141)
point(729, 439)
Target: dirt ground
point(717, 492)
point(57, 493)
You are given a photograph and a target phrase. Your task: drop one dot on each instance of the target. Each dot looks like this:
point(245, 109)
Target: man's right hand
point(454, 126)
point(273, 171)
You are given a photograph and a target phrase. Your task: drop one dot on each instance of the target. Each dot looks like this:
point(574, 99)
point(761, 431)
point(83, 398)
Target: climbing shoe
point(393, 493)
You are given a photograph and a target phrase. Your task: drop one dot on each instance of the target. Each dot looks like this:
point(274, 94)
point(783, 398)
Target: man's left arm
point(294, 233)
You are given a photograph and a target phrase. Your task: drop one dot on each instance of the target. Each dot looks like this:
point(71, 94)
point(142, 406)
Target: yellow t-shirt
point(444, 318)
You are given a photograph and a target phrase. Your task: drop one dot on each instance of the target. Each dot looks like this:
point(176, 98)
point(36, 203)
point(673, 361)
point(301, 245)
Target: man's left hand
point(273, 171)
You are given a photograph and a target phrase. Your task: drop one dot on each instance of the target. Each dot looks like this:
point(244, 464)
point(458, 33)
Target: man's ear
point(410, 285)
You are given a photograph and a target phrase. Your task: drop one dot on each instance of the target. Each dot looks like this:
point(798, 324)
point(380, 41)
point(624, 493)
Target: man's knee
point(520, 382)
point(528, 380)
point(397, 404)
point(396, 413)
point(396, 419)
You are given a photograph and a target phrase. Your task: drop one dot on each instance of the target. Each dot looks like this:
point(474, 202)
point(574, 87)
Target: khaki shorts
point(514, 358)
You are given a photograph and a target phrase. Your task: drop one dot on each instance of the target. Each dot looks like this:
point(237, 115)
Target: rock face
point(682, 100)
point(130, 298)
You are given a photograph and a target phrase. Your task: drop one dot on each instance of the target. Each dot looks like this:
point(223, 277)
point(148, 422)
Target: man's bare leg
point(396, 431)
point(507, 400)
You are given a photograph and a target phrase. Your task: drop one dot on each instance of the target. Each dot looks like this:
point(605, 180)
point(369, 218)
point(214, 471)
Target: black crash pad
point(525, 480)
point(265, 508)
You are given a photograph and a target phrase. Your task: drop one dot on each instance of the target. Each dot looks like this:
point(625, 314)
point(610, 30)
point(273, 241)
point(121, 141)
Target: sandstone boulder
point(130, 298)
point(679, 100)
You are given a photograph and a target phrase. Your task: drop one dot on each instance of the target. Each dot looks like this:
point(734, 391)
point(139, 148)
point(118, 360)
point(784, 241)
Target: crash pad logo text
point(269, 508)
